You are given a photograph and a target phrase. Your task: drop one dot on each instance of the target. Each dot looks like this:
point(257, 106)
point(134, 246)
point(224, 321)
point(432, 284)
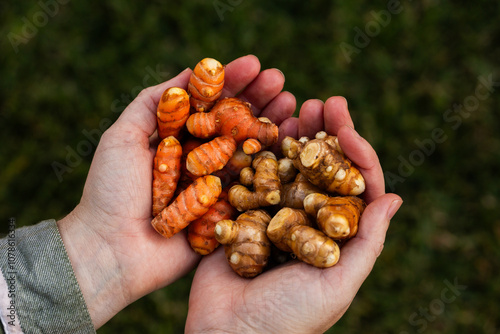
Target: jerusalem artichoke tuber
point(246, 244)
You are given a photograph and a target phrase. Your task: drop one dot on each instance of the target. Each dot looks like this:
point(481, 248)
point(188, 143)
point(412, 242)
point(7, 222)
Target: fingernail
point(395, 205)
point(277, 69)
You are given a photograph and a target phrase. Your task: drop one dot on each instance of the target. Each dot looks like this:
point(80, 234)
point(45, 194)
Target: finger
point(216, 263)
point(266, 86)
point(359, 254)
point(362, 154)
point(140, 115)
point(310, 118)
point(288, 127)
point(239, 73)
point(280, 108)
point(154, 141)
point(336, 114)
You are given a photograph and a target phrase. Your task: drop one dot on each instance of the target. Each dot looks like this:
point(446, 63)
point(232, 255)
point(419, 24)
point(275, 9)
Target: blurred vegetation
point(62, 82)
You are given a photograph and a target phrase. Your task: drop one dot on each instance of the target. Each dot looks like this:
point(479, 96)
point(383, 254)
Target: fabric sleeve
point(39, 292)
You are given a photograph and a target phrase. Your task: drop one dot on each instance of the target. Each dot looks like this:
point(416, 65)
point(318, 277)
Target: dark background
point(413, 82)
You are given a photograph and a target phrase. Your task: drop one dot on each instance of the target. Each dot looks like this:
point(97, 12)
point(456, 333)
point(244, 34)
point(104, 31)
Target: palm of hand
point(287, 299)
point(119, 194)
point(121, 181)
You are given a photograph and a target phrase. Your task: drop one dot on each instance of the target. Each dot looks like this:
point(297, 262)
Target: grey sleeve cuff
point(42, 291)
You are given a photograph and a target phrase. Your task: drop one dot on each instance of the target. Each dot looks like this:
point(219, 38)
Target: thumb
point(140, 115)
point(360, 253)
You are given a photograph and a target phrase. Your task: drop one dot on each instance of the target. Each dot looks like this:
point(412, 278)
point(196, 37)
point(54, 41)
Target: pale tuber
point(246, 244)
point(324, 166)
point(290, 230)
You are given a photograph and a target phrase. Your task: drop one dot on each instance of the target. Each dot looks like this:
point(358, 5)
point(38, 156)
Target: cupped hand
point(296, 297)
point(116, 254)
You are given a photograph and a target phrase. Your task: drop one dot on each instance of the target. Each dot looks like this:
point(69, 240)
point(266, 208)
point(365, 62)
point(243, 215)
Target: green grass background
point(400, 86)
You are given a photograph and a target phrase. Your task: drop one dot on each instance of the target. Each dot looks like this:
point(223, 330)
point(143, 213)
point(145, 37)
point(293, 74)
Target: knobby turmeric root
point(229, 118)
point(186, 177)
point(324, 166)
point(290, 230)
point(205, 84)
point(246, 244)
point(232, 117)
point(232, 169)
point(286, 170)
point(293, 194)
point(201, 232)
point(251, 146)
point(246, 176)
point(333, 141)
point(337, 217)
point(266, 183)
point(210, 157)
point(315, 166)
point(172, 112)
point(189, 205)
point(166, 172)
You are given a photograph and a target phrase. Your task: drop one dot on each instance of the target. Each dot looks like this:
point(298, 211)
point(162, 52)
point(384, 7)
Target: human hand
point(116, 254)
point(296, 297)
